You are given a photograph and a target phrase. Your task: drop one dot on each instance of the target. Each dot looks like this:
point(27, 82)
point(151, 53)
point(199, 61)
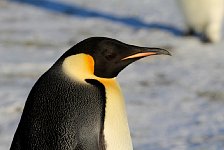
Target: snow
point(173, 103)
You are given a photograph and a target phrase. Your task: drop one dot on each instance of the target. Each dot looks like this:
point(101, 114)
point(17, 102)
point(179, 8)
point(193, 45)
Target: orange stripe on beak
point(140, 55)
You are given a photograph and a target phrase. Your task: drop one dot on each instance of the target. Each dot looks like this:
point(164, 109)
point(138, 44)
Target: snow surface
point(173, 103)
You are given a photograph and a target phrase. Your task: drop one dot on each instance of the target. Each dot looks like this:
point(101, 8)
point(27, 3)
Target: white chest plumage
point(116, 130)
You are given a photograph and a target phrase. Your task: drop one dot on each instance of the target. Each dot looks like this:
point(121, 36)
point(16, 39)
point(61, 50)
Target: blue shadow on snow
point(77, 11)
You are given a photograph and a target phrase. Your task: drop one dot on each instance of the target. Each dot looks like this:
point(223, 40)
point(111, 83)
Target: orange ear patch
point(90, 63)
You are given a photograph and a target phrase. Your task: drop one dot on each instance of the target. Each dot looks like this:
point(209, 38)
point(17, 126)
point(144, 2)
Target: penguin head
point(110, 56)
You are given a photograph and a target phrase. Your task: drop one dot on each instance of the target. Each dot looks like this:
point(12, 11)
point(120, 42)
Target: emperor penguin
point(77, 104)
point(204, 17)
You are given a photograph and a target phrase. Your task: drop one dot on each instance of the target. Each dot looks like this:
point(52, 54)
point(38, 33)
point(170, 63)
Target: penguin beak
point(143, 52)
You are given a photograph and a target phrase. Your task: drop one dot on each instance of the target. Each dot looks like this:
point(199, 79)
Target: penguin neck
point(116, 131)
point(81, 67)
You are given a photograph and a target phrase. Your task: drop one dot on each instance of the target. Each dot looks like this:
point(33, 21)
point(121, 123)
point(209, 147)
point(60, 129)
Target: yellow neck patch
point(81, 67)
point(116, 131)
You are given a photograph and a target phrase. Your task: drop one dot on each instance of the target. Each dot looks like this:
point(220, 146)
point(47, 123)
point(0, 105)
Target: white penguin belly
point(116, 130)
point(204, 16)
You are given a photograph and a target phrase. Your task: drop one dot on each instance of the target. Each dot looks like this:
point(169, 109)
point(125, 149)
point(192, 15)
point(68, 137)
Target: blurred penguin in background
point(203, 17)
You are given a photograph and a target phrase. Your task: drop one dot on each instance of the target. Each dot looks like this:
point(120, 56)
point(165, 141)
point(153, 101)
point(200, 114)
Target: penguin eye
point(109, 55)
